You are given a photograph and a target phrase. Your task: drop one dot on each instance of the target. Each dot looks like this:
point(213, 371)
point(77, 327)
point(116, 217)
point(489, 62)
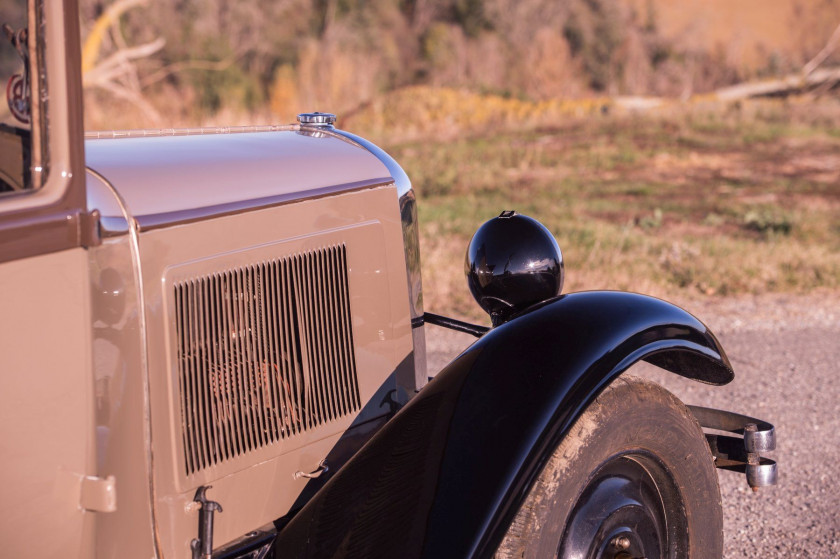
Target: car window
point(15, 112)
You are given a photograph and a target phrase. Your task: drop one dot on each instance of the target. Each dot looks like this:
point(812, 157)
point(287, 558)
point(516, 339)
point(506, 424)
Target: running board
point(740, 454)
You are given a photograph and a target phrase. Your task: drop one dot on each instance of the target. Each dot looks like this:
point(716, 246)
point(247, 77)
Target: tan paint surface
point(118, 391)
point(258, 487)
point(218, 169)
point(46, 409)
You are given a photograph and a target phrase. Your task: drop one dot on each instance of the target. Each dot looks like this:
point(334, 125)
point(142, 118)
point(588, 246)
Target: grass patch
point(671, 206)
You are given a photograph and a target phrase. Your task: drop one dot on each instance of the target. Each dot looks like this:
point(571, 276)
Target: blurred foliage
point(275, 58)
point(769, 221)
point(422, 111)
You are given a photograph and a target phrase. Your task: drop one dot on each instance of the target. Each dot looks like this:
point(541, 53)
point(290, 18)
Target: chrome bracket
point(202, 546)
point(740, 454)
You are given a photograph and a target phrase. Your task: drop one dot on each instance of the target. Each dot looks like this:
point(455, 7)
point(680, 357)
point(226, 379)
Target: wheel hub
point(630, 509)
point(626, 545)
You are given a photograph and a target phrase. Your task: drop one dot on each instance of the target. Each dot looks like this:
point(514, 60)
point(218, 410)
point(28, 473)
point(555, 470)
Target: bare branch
point(132, 97)
point(119, 58)
point(826, 51)
point(93, 43)
point(176, 67)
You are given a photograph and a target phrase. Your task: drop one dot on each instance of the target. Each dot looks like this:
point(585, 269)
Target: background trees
point(274, 58)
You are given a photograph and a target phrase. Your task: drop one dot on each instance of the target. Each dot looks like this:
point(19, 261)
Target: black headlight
point(513, 262)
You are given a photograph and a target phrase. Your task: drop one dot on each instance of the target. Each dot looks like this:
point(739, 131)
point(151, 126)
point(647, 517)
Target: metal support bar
point(451, 323)
point(740, 454)
point(759, 438)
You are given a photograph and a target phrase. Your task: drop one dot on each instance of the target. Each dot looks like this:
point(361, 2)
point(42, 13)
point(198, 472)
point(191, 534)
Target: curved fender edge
point(446, 475)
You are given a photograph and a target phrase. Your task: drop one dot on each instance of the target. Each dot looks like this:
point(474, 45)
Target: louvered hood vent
point(264, 352)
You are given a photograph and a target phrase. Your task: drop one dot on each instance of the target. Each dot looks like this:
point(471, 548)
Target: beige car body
point(97, 264)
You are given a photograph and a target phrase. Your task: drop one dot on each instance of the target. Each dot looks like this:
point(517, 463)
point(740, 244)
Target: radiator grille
point(265, 352)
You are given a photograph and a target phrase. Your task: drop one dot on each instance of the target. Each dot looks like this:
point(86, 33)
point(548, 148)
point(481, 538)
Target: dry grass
point(692, 203)
point(442, 112)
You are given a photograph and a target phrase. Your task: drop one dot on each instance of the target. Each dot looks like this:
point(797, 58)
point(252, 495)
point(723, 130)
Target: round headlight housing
point(513, 262)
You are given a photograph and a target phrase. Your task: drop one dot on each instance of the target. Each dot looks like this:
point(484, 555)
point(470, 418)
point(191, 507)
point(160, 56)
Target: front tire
point(633, 478)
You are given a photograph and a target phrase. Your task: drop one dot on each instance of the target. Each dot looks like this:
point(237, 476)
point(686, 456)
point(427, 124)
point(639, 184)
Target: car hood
point(169, 177)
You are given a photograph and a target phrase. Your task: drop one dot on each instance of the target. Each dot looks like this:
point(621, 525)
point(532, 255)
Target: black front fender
point(446, 475)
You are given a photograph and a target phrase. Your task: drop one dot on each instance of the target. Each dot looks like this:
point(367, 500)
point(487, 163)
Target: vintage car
point(212, 345)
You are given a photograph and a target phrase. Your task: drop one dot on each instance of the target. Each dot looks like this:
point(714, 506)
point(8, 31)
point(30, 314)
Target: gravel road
point(786, 354)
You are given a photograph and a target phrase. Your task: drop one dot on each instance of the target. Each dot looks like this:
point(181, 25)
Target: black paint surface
point(445, 476)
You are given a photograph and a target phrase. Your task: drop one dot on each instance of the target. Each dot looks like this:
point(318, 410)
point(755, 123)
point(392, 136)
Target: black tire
point(635, 465)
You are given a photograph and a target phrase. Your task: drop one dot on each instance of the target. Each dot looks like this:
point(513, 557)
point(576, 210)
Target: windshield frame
point(49, 218)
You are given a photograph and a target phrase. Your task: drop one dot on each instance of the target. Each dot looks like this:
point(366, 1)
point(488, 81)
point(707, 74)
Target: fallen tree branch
point(789, 84)
point(824, 53)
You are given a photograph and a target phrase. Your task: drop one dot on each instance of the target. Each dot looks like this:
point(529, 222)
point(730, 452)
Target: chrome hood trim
point(172, 177)
point(411, 244)
point(200, 131)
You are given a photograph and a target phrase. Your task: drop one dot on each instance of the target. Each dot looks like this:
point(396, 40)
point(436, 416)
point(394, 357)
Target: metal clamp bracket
point(202, 546)
point(446, 322)
point(740, 454)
